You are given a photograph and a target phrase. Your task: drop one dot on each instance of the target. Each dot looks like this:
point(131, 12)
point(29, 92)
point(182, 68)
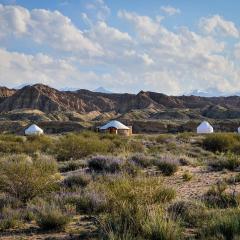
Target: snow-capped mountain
point(209, 92)
point(102, 90)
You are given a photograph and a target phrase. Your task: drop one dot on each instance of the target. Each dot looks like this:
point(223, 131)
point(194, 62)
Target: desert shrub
point(192, 214)
point(9, 218)
point(130, 168)
point(171, 146)
point(217, 196)
point(11, 143)
point(233, 179)
point(8, 201)
point(165, 195)
point(135, 191)
point(236, 148)
point(51, 216)
point(11, 138)
point(110, 136)
point(106, 164)
point(142, 160)
point(77, 180)
point(75, 146)
point(89, 201)
point(185, 160)
point(71, 166)
point(220, 142)
point(167, 164)
point(184, 137)
point(11, 147)
point(130, 209)
point(40, 143)
point(187, 176)
point(144, 224)
point(164, 138)
point(160, 226)
point(135, 147)
point(24, 178)
point(228, 161)
point(223, 225)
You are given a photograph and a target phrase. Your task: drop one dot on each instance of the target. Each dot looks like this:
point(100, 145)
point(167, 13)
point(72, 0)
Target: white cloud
point(218, 25)
point(46, 28)
point(236, 51)
point(98, 9)
point(101, 29)
point(144, 24)
point(149, 57)
point(170, 10)
point(18, 68)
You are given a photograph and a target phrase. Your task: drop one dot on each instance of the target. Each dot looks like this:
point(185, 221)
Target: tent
point(116, 127)
point(33, 130)
point(205, 127)
point(114, 124)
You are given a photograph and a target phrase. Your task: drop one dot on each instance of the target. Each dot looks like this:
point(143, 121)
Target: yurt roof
point(205, 124)
point(34, 128)
point(114, 124)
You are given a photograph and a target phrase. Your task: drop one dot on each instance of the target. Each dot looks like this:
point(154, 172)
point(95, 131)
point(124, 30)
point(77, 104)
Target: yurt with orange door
point(116, 127)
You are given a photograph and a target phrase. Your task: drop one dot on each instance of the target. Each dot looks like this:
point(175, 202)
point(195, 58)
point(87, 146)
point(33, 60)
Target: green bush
point(159, 226)
point(217, 196)
point(135, 147)
point(168, 165)
point(50, 216)
point(187, 176)
point(9, 218)
point(71, 165)
point(106, 164)
point(142, 160)
point(164, 138)
point(220, 142)
point(76, 146)
point(77, 180)
point(89, 201)
point(40, 143)
point(132, 209)
point(223, 225)
point(228, 161)
point(24, 178)
point(191, 214)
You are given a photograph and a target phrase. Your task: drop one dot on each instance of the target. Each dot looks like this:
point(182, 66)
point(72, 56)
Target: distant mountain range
point(102, 90)
point(211, 92)
point(141, 106)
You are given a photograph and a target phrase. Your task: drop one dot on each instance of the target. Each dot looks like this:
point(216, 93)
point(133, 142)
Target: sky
point(168, 46)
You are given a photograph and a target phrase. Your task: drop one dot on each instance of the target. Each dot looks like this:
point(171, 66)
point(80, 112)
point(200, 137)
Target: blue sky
point(169, 46)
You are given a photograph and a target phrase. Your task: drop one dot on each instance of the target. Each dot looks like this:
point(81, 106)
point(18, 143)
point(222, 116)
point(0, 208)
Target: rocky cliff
point(144, 105)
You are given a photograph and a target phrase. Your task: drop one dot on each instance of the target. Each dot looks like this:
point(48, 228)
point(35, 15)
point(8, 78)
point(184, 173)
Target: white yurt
point(239, 130)
point(33, 130)
point(205, 127)
point(116, 127)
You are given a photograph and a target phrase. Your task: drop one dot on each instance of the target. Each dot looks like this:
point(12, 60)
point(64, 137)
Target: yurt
point(205, 127)
point(33, 130)
point(116, 127)
point(239, 130)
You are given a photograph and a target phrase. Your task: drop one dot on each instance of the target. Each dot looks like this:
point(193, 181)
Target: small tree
point(25, 178)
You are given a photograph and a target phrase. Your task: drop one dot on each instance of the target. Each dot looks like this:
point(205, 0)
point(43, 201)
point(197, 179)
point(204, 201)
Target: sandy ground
point(201, 181)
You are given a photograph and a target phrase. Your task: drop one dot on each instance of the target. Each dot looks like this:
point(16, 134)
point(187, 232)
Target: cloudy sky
point(169, 46)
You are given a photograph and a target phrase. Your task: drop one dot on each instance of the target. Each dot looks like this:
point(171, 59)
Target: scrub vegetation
point(99, 186)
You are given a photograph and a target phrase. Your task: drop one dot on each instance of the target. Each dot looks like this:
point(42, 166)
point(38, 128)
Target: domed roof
point(114, 124)
point(33, 129)
point(205, 127)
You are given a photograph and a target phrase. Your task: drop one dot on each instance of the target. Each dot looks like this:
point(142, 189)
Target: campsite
point(119, 120)
point(94, 185)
